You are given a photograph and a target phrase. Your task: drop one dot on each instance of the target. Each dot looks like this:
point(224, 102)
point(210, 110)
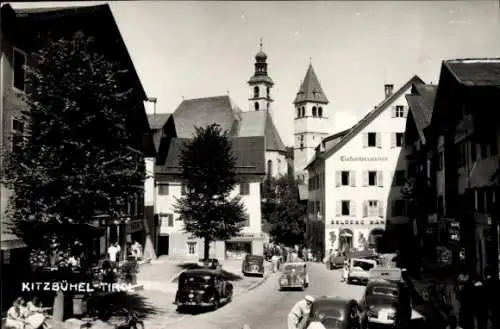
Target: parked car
point(336, 260)
point(295, 275)
point(202, 288)
point(211, 263)
point(253, 265)
point(359, 270)
point(381, 297)
point(335, 313)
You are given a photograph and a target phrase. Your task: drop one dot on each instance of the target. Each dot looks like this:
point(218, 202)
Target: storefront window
point(238, 250)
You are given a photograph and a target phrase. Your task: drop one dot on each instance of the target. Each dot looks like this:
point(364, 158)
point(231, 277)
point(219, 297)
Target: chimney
point(388, 90)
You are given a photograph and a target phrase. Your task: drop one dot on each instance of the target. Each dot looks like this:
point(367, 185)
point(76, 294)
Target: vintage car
point(253, 265)
point(381, 296)
point(335, 313)
point(202, 288)
point(359, 270)
point(336, 260)
point(295, 276)
point(211, 263)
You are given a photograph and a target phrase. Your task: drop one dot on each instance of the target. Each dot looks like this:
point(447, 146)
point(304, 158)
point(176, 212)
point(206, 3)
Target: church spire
point(310, 89)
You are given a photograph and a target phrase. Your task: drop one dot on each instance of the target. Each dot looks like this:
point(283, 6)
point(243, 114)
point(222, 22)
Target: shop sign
point(361, 159)
point(248, 235)
point(134, 226)
point(454, 232)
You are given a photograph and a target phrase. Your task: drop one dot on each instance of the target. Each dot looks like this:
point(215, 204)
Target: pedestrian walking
point(480, 305)
point(345, 271)
point(113, 252)
point(466, 299)
point(299, 312)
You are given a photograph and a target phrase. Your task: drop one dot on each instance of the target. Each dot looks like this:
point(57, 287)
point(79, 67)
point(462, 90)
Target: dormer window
point(256, 91)
point(314, 110)
point(320, 112)
point(256, 106)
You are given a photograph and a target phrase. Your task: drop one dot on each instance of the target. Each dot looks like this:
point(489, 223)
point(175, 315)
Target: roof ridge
point(366, 119)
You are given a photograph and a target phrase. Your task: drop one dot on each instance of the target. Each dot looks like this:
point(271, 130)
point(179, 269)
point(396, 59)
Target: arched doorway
point(345, 239)
point(374, 238)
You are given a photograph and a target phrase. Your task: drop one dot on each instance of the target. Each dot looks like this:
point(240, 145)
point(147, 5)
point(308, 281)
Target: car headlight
point(372, 313)
point(391, 316)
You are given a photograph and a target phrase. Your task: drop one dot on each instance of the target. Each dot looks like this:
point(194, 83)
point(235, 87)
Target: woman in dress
point(15, 314)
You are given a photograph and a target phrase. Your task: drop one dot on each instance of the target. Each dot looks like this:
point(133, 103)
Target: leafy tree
point(208, 170)
point(283, 210)
point(75, 158)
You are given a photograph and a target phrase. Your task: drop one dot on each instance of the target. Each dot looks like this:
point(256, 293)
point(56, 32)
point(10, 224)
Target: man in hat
point(299, 311)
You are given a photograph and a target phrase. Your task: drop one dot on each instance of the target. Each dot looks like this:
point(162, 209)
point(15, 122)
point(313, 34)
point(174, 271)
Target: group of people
point(114, 251)
point(30, 315)
point(478, 300)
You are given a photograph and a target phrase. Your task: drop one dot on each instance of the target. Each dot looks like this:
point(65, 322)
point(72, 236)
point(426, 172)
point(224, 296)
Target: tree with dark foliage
point(74, 159)
point(283, 211)
point(209, 174)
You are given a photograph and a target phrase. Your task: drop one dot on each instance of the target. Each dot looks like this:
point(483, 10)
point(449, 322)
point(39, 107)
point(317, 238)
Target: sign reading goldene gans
point(357, 159)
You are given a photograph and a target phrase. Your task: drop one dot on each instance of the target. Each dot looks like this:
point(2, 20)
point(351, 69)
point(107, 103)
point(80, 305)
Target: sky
point(184, 49)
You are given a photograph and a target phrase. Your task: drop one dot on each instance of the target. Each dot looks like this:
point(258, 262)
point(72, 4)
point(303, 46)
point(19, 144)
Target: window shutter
point(352, 177)
point(379, 140)
point(339, 208)
point(365, 178)
point(337, 178)
point(405, 111)
point(380, 178)
point(365, 208)
point(352, 210)
point(170, 220)
point(381, 209)
point(393, 140)
point(365, 140)
point(393, 114)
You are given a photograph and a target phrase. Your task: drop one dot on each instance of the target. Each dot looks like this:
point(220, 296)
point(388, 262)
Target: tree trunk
point(58, 307)
point(206, 249)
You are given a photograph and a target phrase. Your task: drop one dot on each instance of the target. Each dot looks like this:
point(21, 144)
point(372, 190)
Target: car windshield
point(197, 279)
point(381, 300)
point(326, 310)
point(385, 291)
point(294, 268)
point(254, 259)
point(366, 266)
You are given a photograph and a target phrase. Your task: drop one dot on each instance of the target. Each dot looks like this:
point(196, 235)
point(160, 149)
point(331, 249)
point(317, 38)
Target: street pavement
point(267, 308)
point(160, 286)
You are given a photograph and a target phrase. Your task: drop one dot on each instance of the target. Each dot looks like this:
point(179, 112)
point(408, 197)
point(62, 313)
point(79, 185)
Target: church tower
point(260, 84)
point(311, 122)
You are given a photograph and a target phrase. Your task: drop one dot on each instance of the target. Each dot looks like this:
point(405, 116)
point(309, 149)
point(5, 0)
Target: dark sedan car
point(253, 265)
point(335, 313)
point(202, 288)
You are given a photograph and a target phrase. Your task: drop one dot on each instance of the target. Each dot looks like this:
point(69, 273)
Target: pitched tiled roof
point(421, 105)
point(372, 115)
point(310, 90)
point(475, 72)
point(249, 152)
point(260, 123)
point(156, 121)
point(331, 140)
point(202, 112)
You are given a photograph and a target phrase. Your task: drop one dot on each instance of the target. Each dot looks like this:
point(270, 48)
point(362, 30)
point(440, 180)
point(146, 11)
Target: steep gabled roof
point(260, 123)
point(372, 115)
point(421, 106)
point(201, 112)
point(249, 152)
point(310, 90)
point(475, 72)
point(156, 121)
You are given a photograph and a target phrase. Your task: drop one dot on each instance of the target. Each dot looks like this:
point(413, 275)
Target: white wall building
point(356, 178)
